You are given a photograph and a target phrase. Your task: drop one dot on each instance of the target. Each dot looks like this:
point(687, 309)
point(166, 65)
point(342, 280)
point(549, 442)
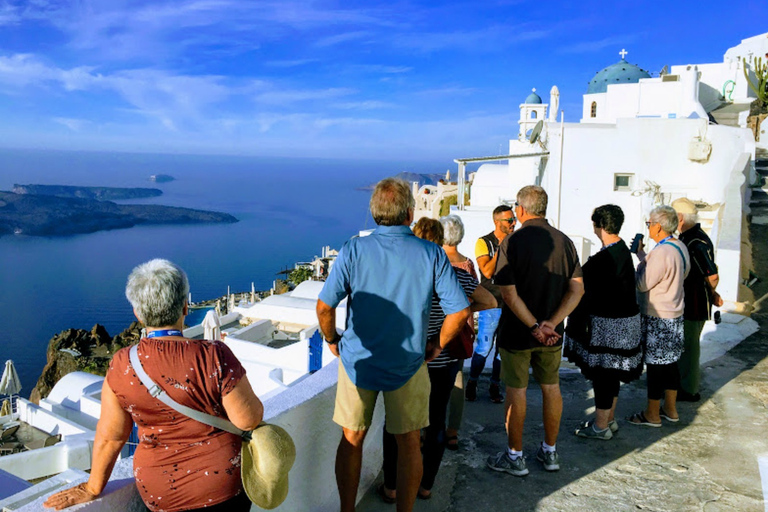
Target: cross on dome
point(623, 53)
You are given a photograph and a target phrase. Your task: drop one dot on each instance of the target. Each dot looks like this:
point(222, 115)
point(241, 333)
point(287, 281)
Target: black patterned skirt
point(662, 339)
point(612, 348)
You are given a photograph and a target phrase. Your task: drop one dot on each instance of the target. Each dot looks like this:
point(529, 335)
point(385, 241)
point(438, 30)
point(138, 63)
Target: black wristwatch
point(534, 327)
point(335, 340)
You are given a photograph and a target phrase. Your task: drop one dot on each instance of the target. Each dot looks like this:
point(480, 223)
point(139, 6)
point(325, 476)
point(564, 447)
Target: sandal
point(639, 419)
point(424, 496)
point(668, 417)
point(452, 443)
point(381, 491)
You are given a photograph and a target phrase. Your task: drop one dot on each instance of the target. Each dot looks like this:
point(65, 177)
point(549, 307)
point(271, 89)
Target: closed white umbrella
point(212, 326)
point(10, 384)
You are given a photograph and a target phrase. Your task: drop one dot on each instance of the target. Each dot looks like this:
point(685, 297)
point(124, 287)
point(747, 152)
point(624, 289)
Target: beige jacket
point(659, 280)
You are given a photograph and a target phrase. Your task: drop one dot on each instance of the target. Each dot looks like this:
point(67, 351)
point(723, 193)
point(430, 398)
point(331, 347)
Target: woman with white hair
point(180, 464)
point(453, 234)
point(659, 280)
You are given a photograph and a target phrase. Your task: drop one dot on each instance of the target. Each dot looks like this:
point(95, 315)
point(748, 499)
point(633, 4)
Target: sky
point(392, 79)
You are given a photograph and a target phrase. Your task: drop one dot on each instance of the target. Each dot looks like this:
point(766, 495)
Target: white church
point(641, 141)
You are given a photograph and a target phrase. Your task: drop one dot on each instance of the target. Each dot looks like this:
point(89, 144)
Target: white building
point(642, 141)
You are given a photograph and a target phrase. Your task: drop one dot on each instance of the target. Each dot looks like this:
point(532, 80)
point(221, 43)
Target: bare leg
point(670, 403)
point(514, 405)
point(553, 411)
point(409, 469)
point(349, 461)
point(612, 412)
point(652, 411)
point(601, 419)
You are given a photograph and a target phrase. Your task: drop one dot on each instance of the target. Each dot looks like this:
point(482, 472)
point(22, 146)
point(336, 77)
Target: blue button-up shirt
point(389, 277)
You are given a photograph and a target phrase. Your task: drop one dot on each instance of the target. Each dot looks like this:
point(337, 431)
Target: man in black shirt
point(700, 295)
point(541, 282)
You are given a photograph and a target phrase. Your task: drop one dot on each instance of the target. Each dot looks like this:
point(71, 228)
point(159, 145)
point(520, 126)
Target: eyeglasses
point(649, 224)
point(511, 220)
point(517, 204)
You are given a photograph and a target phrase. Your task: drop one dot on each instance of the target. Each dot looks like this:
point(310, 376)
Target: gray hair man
point(541, 282)
point(700, 296)
point(389, 277)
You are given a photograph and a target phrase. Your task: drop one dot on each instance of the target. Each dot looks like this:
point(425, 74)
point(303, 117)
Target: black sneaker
point(684, 396)
point(470, 392)
point(495, 392)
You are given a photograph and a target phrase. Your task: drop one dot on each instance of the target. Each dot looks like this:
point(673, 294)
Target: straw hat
point(684, 206)
point(266, 461)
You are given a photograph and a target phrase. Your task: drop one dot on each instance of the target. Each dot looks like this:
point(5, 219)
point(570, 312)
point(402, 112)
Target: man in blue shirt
point(389, 277)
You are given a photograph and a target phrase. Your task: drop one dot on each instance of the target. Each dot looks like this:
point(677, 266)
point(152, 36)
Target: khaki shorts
point(545, 362)
point(407, 408)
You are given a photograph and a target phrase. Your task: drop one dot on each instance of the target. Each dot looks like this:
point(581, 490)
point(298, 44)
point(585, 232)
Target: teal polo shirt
point(389, 277)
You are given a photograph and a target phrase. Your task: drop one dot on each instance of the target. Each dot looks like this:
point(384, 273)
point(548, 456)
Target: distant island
point(409, 177)
point(97, 193)
point(46, 215)
point(161, 178)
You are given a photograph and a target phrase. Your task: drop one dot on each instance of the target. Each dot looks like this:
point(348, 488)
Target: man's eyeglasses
point(511, 220)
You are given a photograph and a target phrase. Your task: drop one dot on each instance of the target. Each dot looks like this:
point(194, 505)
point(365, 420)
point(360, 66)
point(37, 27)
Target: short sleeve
point(505, 273)
point(118, 369)
point(577, 272)
point(231, 369)
point(468, 283)
point(447, 286)
point(336, 286)
point(481, 248)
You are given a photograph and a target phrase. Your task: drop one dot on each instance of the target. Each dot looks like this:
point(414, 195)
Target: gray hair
point(157, 290)
point(534, 199)
point(390, 202)
point(666, 216)
point(690, 218)
point(453, 230)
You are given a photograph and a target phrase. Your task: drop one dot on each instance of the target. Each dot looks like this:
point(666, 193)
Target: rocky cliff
point(78, 350)
point(97, 193)
point(25, 214)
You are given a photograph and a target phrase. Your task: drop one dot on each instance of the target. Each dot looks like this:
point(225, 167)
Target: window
point(594, 109)
point(622, 182)
point(533, 114)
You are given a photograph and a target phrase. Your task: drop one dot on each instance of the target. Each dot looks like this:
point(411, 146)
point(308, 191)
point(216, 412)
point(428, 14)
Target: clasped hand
point(546, 334)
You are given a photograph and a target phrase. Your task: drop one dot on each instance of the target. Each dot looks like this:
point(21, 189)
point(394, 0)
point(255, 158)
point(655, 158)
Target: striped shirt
point(437, 317)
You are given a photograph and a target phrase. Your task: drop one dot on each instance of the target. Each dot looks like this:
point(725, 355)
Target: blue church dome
point(620, 73)
point(533, 98)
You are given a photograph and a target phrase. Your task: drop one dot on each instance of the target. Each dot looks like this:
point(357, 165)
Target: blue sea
point(289, 208)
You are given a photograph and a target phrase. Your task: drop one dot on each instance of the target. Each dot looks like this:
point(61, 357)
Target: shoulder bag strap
point(157, 392)
point(681, 255)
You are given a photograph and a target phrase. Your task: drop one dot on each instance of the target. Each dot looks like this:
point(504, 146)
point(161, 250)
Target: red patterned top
point(180, 463)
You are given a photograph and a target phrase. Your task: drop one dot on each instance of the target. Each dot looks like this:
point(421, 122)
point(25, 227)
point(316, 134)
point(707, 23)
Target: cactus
point(761, 72)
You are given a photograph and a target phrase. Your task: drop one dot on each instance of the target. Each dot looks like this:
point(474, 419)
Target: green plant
point(761, 74)
point(446, 203)
point(299, 275)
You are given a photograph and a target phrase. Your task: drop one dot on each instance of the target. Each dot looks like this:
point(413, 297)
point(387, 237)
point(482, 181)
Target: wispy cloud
point(73, 124)
point(447, 91)
point(363, 105)
point(486, 39)
point(597, 45)
point(341, 38)
point(289, 63)
point(287, 96)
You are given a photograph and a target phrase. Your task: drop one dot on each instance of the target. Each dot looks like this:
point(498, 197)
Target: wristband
point(334, 341)
point(534, 327)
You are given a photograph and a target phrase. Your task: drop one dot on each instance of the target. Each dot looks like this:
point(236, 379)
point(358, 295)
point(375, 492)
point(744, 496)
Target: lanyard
point(164, 332)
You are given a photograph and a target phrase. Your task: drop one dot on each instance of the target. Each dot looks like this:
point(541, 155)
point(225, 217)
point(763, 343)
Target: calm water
point(288, 210)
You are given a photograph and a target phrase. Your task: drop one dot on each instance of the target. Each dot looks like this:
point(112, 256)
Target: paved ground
point(708, 461)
